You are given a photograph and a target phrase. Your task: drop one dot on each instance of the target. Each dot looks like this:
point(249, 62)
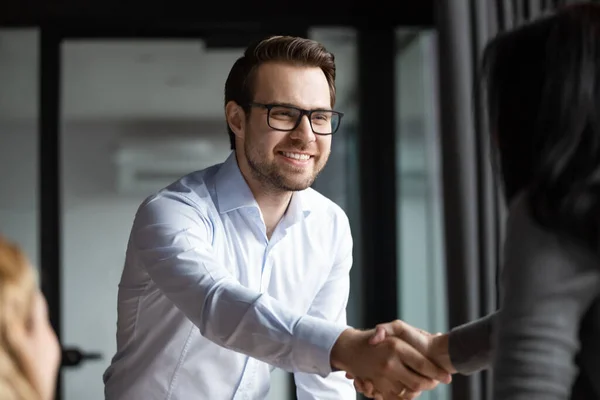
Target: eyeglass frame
point(302, 111)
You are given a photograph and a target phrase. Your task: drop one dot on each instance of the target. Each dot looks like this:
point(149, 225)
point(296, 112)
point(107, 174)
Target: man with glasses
point(242, 267)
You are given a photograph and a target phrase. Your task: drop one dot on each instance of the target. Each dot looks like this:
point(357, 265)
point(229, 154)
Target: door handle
point(73, 356)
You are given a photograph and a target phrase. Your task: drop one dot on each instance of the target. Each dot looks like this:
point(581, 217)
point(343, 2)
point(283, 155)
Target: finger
point(418, 361)
point(415, 338)
point(369, 389)
point(406, 395)
point(359, 385)
point(365, 387)
point(396, 375)
point(412, 381)
point(358, 388)
point(380, 334)
point(369, 394)
point(349, 375)
point(422, 366)
point(395, 327)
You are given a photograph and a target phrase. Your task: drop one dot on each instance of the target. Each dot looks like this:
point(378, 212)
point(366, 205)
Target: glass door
point(19, 58)
point(135, 116)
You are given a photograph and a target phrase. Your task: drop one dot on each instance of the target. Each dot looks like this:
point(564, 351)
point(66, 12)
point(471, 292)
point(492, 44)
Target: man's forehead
point(298, 88)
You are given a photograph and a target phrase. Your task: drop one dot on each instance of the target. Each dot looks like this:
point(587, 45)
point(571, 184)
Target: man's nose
point(304, 131)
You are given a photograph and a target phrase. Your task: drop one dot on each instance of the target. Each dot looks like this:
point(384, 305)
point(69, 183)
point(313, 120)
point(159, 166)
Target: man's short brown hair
point(239, 86)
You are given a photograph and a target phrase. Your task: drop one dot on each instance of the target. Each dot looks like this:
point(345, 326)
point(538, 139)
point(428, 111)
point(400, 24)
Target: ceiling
point(138, 79)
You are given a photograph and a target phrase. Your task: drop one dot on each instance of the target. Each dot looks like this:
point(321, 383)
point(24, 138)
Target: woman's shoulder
point(544, 261)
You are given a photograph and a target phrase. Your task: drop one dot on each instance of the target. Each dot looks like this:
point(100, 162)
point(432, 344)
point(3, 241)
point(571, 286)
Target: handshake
point(393, 361)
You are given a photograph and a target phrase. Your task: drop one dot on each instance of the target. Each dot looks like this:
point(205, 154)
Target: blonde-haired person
point(29, 350)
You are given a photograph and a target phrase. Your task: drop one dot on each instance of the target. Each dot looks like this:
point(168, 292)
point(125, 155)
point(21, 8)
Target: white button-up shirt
point(208, 305)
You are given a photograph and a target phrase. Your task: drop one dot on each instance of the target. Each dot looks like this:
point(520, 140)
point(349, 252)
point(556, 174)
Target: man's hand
point(392, 365)
point(434, 347)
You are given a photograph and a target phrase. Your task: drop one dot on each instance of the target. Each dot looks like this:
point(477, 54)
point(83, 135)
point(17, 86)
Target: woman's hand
point(423, 341)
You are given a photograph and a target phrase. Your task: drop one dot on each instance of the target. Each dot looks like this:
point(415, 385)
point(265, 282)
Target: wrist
point(343, 349)
point(443, 350)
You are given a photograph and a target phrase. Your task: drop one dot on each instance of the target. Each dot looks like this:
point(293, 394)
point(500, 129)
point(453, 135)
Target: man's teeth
point(296, 156)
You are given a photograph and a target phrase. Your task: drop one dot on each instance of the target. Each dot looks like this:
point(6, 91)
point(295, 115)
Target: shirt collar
point(298, 209)
point(233, 192)
point(231, 187)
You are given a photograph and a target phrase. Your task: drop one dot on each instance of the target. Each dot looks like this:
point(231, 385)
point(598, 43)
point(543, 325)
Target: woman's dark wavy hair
point(543, 94)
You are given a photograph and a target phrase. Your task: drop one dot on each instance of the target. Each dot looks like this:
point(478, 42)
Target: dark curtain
point(473, 206)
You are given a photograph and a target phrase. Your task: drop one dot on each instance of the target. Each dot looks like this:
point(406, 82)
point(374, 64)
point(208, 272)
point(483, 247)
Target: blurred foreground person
point(29, 350)
point(543, 93)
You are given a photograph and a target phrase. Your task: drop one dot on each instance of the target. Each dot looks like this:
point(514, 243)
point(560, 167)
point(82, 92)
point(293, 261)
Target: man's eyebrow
point(281, 103)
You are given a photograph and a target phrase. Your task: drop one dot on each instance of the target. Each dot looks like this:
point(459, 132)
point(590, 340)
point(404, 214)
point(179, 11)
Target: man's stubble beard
point(271, 178)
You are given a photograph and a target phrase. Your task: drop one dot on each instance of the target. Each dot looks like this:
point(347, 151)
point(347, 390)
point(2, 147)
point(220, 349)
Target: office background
point(102, 103)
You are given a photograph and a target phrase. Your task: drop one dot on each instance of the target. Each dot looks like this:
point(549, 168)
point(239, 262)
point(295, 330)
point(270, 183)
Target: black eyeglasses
point(288, 118)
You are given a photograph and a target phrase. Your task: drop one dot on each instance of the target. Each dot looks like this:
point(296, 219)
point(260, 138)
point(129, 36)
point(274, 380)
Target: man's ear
point(236, 119)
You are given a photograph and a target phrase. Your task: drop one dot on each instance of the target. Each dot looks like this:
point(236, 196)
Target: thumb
point(378, 336)
point(417, 339)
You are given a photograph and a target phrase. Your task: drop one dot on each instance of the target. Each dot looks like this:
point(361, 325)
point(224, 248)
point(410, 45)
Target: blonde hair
point(18, 283)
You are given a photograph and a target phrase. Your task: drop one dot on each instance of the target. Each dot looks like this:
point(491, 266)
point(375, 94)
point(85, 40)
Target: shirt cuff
point(313, 340)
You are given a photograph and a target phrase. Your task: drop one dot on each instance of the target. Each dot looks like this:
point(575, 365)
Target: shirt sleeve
point(330, 304)
point(549, 286)
point(172, 242)
point(470, 345)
